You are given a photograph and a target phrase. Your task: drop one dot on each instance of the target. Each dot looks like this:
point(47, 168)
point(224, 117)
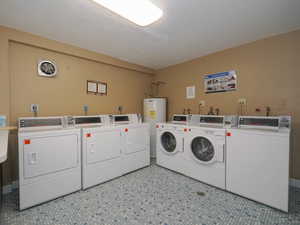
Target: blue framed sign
point(220, 82)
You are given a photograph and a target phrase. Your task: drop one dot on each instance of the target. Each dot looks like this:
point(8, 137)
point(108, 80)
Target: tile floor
point(153, 196)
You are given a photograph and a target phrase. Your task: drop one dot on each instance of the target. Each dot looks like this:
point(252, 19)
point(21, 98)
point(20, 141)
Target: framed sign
point(102, 88)
point(96, 87)
point(220, 82)
point(190, 92)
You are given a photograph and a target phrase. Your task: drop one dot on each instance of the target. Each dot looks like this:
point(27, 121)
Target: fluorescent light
point(141, 12)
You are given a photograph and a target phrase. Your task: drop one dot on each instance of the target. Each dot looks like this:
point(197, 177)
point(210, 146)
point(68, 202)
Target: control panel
point(32, 123)
point(265, 122)
point(221, 121)
point(125, 119)
point(181, 119)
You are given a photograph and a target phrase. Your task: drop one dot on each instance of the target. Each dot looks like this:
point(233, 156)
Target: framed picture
point(102, 88)
point(190, 92)
point(96, 87)
point(220, 82)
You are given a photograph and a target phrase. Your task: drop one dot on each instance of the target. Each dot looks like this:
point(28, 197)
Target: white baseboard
point(15, 184)
point(10, 187)
point(295, 183)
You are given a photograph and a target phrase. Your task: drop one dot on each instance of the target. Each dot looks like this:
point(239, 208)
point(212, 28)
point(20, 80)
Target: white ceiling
point(188, 29)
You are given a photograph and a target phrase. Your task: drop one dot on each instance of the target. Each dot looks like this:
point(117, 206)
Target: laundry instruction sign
point(220, 82)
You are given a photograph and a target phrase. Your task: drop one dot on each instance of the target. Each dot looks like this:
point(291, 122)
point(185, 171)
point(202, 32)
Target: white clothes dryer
point(101, 150)
point(135, 141)
point(49, 160)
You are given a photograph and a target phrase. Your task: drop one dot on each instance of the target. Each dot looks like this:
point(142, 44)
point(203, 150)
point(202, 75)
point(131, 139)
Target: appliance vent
point(47, 68)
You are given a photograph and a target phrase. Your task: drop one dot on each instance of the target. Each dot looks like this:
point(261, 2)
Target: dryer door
point(102, 145)
point(49, 154)
point(170, 142)
point(136, 139)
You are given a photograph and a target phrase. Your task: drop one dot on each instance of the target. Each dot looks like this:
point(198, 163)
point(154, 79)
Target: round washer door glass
point(168, 141)
point(202, 149)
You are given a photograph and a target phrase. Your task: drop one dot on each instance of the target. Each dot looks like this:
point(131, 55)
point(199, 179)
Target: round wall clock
point(47, 68)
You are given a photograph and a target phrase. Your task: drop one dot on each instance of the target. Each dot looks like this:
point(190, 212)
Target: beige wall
point(268, 75)
point(65, 94)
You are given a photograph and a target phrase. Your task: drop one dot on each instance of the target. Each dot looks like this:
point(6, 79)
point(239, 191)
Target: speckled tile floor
point(153, 196)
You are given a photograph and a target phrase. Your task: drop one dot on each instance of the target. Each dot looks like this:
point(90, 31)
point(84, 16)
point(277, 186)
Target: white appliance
point(170, 143)
point(101, 149)
point(154, 112)
point(135, 141)
point(258, 160)
point(205, 146)
point(49, 159)
point(170, 146)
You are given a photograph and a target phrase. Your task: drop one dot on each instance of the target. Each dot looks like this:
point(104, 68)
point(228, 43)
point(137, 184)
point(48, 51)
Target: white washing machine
point(170, 143)
point(101, 149)
point(258, 160)
point(135, 141)
point(49, 160)
point(205, 146)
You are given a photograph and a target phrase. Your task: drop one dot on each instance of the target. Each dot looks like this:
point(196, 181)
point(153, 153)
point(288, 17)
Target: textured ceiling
point(188, 29)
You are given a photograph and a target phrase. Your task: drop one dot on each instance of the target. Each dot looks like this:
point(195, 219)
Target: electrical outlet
point(34, 108)
point(242, 101)
point(120, 109)
point(85, 108)
point(202, 103)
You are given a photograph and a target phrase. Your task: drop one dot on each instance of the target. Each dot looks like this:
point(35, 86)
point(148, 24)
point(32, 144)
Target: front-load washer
point(205, 146)
point(135, 141)
point(258, 160)
point(170, 147)
point(170, 143)
point(101, 149)
point(49, 160)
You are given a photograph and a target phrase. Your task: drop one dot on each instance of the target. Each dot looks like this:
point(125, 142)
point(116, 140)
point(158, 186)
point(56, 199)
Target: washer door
point(202, 149)
point(168, 142)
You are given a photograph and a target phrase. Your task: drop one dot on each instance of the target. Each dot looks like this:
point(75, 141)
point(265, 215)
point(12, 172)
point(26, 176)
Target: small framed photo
point(96, 87)
point(102, 88)
point(92, 87)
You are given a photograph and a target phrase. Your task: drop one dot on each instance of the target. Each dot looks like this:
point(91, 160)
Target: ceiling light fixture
point(140, 12)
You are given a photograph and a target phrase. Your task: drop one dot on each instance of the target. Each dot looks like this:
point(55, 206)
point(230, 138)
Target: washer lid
point(202, 149)
point(168, 142)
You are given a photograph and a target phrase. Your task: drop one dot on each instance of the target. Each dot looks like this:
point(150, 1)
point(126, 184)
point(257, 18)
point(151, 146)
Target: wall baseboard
point(295, 183)
point(15, 185)
point(10, 187)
